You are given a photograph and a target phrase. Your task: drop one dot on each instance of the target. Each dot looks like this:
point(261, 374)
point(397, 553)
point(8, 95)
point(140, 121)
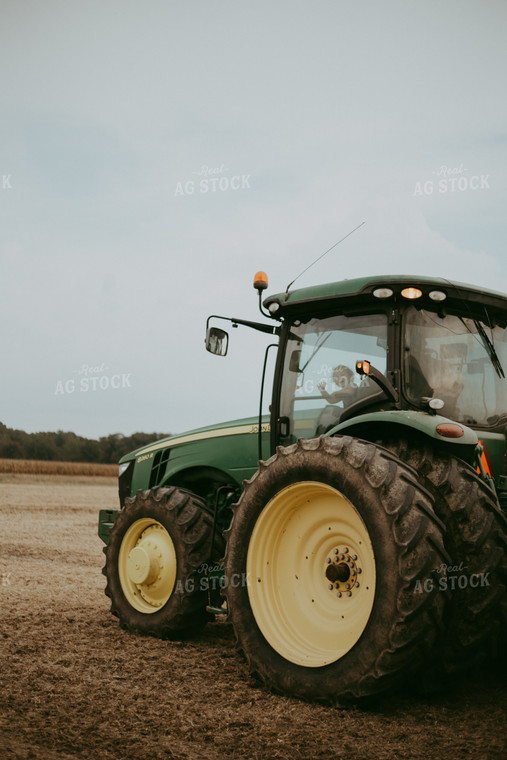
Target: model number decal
point(143, 458)
point(265, 428)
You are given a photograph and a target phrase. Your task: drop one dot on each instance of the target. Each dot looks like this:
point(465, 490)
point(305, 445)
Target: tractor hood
point(221, 430)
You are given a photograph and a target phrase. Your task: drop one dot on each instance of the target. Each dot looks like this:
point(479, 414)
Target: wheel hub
point(142, 565)
point(147, 565)
point(342, 570)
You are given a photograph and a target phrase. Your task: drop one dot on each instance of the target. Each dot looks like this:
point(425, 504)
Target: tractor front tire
point(156, 562)
point(328, 546)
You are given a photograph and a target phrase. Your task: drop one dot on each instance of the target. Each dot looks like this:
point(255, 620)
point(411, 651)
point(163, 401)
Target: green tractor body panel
point(421, 422)
point(244, 426)
point(230, 449)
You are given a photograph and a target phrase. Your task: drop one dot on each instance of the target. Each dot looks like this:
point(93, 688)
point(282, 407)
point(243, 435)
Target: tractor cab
point(393, 344)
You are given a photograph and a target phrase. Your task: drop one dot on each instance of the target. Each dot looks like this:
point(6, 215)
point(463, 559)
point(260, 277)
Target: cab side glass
point(217, 341)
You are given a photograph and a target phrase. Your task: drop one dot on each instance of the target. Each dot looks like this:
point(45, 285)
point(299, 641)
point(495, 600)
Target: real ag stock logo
point(451, 578)
point(452, 179)
point(93, 378)
point(213, 180)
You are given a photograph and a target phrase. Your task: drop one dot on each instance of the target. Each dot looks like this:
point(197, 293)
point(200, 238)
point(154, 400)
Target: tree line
point(69, 447)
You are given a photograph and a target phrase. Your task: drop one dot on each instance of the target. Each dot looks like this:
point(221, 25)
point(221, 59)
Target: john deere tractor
point(356, 537)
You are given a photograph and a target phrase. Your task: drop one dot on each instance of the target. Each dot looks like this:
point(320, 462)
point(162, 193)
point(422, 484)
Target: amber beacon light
point(260, 281)
point(411, 293)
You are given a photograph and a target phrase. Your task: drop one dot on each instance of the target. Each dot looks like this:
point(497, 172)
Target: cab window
point(319, 379)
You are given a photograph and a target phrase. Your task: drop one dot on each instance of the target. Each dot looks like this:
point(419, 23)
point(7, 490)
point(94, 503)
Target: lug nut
point(347, 585)
point(337, 585)
point(336, 551)
point(328, 560)
point(349, 593)
point(356, 584)
point(354, 557)
point(346, 550)
point(359, 570)
point(330, 586)
point(339, 594)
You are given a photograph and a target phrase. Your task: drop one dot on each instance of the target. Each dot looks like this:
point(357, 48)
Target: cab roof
point(362, 288)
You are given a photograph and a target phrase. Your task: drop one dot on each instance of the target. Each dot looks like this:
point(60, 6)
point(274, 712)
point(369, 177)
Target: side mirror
point(217, 341)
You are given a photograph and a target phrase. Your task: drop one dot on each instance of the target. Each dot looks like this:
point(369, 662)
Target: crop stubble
point(73, 685)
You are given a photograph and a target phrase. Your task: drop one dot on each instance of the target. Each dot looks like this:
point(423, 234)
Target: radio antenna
point(321, 257)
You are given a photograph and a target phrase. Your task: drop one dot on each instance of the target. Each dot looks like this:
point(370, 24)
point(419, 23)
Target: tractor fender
point(368, 426)
point(201, 480)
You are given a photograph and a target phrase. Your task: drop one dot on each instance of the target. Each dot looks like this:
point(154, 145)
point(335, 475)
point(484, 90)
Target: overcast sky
point(154, 155)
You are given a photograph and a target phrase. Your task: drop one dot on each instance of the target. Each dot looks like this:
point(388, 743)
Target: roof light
point(382, 292)
point(260, 281)
point(437, 295)
point(450, 430)
point(411, 293)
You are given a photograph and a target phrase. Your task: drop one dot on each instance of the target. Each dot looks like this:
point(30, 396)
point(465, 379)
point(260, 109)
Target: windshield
point(459, 360)
point(319, 378)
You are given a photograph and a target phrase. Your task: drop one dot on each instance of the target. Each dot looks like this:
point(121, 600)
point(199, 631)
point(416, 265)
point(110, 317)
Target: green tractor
point(355, 537)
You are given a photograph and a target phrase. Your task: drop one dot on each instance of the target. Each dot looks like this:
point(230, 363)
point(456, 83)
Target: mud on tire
point(160, 589)
point(476, 540)
point(300, 635)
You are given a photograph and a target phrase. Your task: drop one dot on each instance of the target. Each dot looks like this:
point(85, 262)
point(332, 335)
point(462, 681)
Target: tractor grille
point(159, 466)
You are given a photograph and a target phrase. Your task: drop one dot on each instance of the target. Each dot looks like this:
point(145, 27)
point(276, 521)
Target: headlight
point(437, 295)
point(123, 467)
point(382, 292)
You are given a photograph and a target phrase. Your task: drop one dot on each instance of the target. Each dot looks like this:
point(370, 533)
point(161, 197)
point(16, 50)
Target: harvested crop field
point(37, 467)
point(73, 685)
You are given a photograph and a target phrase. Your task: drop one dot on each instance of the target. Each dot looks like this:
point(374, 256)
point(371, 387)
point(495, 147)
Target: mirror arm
point(270, 329)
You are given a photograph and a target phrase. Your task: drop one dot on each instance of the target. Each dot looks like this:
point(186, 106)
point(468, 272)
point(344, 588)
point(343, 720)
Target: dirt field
point(73, 685)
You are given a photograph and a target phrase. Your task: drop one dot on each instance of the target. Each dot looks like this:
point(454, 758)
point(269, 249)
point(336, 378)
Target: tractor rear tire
point(476, 540)
point(325, 548)
point(156, 562)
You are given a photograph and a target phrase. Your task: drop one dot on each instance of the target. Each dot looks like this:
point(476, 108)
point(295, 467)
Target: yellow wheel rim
point(147, 565)
point(311, 574)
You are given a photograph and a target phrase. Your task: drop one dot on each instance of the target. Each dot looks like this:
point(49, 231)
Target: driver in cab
point(343, 377)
